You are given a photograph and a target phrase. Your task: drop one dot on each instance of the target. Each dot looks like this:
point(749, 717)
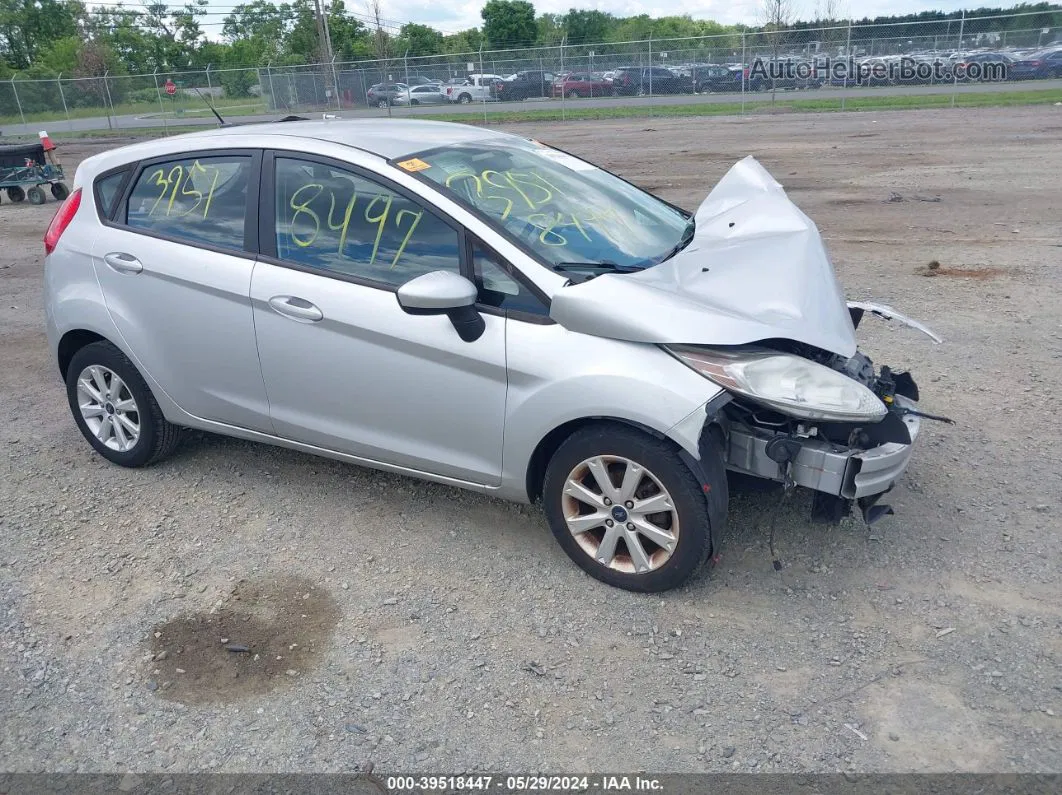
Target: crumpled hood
point(756, 269)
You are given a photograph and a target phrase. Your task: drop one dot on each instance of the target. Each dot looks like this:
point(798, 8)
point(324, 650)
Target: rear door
point(174, 262)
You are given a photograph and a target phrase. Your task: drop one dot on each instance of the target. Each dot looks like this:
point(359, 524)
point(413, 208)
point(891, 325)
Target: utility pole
point(325, 47)
point(327, 35)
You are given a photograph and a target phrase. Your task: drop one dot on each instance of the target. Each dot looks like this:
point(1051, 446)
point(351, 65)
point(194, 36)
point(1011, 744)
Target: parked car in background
point(991, 66)
point(474, 88)
point(1038, 66)
point(383, 94)
point(525, 85)
point(421, 80)
point(644, 80)
point(581, 84)
point(428, 94)
point(709, 78)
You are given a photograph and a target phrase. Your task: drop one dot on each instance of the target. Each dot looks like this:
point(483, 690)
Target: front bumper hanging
point(824, 466)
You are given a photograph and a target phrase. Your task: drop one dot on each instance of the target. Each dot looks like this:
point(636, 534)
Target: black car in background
point(645, 80)
point(524, 85)
point(990, 67)
point(715, 78)
point(1038, 66)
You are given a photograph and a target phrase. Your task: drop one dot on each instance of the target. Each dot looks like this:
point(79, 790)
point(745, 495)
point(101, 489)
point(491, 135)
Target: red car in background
point(581, 84)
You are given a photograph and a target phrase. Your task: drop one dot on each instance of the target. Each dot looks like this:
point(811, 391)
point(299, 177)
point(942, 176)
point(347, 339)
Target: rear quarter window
point(107, 189)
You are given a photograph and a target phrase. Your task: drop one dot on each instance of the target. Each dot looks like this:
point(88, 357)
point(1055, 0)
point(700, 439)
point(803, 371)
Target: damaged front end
point(845, 463)
point(752, 303)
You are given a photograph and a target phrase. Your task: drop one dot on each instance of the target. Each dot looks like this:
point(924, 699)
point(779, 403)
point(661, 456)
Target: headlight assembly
point(787, 383)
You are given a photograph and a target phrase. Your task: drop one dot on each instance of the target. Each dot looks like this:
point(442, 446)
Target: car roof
point(387, 138)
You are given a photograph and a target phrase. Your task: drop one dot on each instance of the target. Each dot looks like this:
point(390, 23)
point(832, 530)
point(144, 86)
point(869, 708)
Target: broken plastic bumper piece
point(824, 466)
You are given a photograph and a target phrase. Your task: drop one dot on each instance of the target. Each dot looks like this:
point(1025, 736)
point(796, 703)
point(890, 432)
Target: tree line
point(45, 38)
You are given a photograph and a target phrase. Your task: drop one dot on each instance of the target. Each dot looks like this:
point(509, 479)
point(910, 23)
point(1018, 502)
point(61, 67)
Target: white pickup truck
point(474, 88)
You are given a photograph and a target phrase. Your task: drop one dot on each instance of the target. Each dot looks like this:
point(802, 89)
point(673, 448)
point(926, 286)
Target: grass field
point(782, 103)
point(557, 112)
point(174, 109)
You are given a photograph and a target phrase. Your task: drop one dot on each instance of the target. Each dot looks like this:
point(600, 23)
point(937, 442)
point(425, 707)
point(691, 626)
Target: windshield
point(565, 209)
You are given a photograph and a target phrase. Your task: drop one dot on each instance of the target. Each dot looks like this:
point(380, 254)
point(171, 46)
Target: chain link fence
point(815, 68)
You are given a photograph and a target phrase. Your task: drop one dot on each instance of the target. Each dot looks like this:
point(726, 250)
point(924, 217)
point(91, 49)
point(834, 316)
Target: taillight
point(61, 220)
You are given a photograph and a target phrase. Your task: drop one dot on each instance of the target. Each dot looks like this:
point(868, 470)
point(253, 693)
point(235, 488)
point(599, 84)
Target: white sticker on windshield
point(574, 163)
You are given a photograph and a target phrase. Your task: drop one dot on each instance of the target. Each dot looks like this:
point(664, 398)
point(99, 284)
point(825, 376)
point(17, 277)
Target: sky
point(450, 16)
point(462, 14)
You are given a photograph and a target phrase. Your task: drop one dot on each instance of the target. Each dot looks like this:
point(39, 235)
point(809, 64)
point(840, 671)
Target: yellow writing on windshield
point(529, 196)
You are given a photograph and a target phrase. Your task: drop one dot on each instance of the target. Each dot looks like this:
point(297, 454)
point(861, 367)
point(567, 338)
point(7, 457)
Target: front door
point(345, 367)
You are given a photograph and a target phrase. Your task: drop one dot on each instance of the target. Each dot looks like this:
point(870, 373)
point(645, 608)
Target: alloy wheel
point(620, 514)
point(108, 408)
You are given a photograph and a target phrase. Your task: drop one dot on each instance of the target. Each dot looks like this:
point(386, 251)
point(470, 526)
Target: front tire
point(115, 410)
point(36, 195)
point(626, 509)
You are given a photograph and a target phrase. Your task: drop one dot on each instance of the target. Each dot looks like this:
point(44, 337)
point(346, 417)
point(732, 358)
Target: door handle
point(295, 308)
point(123, 263)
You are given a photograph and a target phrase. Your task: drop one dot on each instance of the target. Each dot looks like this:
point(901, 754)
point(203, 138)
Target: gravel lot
point(426, 629)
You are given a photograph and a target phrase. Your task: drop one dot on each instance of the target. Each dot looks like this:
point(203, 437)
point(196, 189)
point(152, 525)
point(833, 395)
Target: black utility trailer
point(24, 171)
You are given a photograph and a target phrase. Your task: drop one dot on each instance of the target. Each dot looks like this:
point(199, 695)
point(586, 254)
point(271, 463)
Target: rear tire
point(36, 195)
point(103, 386)
point(16, 194)
point(464, 99)
point(573, 95)
point(629, 548)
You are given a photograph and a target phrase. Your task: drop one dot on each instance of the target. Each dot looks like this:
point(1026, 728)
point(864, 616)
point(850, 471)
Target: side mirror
point(444, 293)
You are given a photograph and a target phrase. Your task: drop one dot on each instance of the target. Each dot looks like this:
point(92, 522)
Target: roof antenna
point(209, 104)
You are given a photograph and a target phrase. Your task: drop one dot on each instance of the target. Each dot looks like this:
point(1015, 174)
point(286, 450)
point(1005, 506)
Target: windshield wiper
point(589, 270)
point(611, 267)
point(685, 240)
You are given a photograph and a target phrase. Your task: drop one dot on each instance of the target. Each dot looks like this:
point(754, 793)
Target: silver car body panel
point(756, 269)
point(888, 313)
point(470, 414)
point(372, 385)
point(188, 314)
point(370, 380)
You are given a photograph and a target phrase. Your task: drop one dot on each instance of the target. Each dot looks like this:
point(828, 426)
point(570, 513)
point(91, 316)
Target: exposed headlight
point(790, 384)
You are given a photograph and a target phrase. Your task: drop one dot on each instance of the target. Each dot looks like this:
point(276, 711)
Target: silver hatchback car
point(477, 309)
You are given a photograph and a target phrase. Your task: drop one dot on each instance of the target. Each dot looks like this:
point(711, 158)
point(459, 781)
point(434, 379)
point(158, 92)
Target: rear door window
point(197, 199)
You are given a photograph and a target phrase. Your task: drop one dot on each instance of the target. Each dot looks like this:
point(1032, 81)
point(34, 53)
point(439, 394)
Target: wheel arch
point(73, 341)
point(535, 474)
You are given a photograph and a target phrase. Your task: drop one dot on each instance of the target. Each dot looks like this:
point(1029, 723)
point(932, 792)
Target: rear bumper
point(823, 466)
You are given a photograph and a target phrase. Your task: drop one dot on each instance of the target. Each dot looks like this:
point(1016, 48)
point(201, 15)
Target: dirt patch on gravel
point(264, 636)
